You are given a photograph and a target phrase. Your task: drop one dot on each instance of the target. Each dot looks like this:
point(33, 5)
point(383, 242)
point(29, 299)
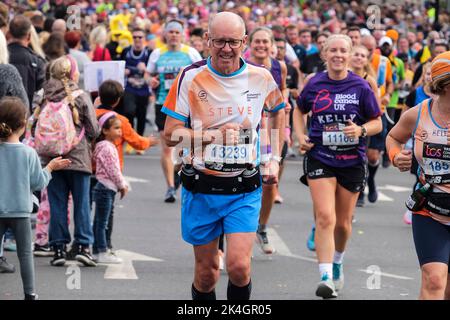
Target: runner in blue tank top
point(344, 111)
point(261, 41)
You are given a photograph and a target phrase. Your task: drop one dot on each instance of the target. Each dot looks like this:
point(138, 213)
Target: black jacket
point(312, 64)
point(31, 68)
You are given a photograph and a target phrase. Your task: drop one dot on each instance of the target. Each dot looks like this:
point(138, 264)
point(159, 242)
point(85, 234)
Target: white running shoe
point(264, 243)
point(326, 288)
point(108, 258)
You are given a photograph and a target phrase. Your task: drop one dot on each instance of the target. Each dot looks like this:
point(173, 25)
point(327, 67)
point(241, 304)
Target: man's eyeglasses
point(221, 43)
point(138, 37)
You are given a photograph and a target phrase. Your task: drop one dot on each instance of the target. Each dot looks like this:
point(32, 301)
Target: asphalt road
point(147, 230)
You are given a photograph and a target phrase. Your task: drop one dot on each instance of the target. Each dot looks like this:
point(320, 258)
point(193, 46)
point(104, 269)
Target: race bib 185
point(436, 163)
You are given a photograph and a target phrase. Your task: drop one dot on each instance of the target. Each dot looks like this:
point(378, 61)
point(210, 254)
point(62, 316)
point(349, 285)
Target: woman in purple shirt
point(344, 111)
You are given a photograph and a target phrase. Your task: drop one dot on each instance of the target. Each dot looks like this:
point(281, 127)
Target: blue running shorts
point(432, 240)
point(378, 141)
point(204, 217)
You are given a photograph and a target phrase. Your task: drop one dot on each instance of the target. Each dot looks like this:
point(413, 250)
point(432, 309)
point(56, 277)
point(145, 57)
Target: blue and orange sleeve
point(171, 104)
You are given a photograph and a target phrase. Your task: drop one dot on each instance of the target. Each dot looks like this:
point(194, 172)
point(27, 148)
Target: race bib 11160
point(332, 135)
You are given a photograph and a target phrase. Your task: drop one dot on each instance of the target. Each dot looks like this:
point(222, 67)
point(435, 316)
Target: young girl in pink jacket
point(110, 181)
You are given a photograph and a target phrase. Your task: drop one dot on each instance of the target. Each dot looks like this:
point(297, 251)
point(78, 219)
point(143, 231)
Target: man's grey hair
point(211, 19)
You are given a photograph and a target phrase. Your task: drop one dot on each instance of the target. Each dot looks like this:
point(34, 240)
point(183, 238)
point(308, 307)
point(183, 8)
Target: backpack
point(28, 139)
point(55, 133)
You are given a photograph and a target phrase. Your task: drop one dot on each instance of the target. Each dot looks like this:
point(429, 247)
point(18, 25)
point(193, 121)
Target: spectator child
point(109, 182)
point(111, 92)
point(18, 184)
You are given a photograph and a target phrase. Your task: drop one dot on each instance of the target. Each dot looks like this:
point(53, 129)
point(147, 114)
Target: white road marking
point(283, 250)
point(389, 187)
point(383, 197)
point(134, 179)
point(389, 275)
point(125, 270)
point(395, 188)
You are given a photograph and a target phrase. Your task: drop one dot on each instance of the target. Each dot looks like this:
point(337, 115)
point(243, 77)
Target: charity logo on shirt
point(436, 158)
point(334, 108)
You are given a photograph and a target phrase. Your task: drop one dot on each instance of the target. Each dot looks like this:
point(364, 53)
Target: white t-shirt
point(206, 99)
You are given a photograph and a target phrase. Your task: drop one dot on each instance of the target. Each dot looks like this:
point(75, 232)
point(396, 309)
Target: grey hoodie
point(81, 155)
point(11, 84)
